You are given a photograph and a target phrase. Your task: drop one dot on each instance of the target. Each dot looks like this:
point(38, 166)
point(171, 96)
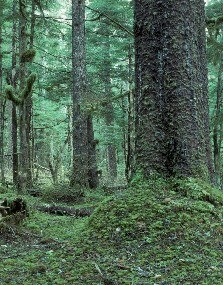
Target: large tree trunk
point(82, 135)
point(172, 125)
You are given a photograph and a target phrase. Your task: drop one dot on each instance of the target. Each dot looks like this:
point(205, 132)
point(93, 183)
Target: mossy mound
point(63, 193)
point(159, 232)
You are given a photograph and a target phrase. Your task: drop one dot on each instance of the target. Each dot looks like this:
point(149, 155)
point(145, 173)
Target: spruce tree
point(172, 122)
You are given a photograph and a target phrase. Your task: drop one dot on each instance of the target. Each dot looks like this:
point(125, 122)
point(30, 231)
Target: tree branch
point(111, 20)
point(214, 21)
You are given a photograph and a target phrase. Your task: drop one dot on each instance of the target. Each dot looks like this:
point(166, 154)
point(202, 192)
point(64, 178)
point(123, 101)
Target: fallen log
point(66, 211)
point(4, 211)
point(12, 207)
point(12, 214)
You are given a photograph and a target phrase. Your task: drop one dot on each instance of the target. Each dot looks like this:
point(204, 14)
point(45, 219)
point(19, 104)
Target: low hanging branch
point(214, 21)
point(217, 45)
point(101, 14)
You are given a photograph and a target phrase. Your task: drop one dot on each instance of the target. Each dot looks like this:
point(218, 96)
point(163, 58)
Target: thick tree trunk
point(82, 135)
point(172, 125)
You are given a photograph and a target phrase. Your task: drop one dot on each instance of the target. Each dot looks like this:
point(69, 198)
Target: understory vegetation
point(111, 134)
point(155, 232)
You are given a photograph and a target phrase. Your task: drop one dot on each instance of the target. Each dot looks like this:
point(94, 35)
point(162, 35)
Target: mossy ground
point(157, 232)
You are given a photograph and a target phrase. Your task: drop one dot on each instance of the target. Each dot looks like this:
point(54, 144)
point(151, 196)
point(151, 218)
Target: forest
point(111, 142)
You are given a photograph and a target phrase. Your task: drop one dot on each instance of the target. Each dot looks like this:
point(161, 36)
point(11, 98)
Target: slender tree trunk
point(82, 135)
point(25, 108)
point(92, 158)
point(80, 143)
point(172, 123)
point(69, 134)
point(218, 125)
point(28, 109)
point(109, 113)
point(2, 102)
point(15, 164)
point(131, 126)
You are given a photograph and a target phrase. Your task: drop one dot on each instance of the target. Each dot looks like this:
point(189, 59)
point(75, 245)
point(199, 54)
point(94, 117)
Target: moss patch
point(160, 232)
point(156, 232)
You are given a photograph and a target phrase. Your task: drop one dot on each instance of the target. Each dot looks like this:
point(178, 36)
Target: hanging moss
point(27, 56)
point(28, 87)
point(10, 92)
point(10, 95)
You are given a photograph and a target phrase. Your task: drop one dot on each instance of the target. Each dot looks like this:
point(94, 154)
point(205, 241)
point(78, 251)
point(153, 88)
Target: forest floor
point(153, 233)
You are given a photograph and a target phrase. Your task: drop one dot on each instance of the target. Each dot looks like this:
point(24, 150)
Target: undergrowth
point(159, 232)
point(156, 232)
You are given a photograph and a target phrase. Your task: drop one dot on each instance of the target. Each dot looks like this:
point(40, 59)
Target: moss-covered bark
point(172, 127)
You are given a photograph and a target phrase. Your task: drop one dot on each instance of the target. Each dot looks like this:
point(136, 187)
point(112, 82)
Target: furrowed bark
point(172, 124)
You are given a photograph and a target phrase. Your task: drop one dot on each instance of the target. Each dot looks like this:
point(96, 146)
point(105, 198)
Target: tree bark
point(131, 128)
point(2, 103)
point(25, 107)
point(15, 163)
point(93, 178)
point(218, 126)
point(82, 136)
point(172, 123)
point(80, 144)
point(109, 113)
